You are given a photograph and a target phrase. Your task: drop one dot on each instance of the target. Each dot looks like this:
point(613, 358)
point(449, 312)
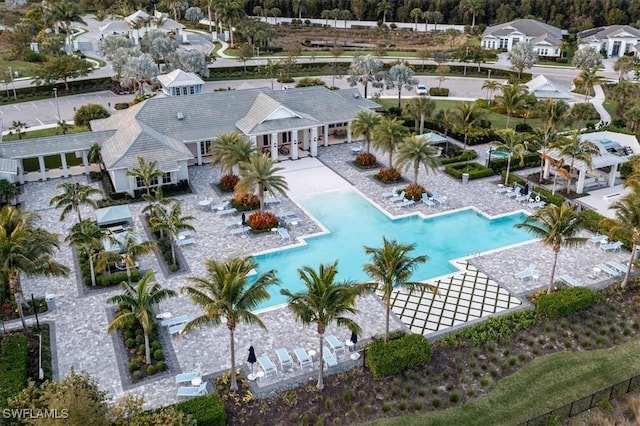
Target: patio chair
point(284, 358)
point(228, 211)
point(527, 272)
point(272, 200)
point(397, 198)
point(220, 206)
point(193, 390)
point(391, 193)
point(616, 245)
point(303, 357)
point(175, 321)
point(607, 270)
point(328, 357)
point(522, 197)
point(427, 201)
point(240, 230)
point(335, 343)
point(514, 193)
point(571, 281)
point(503, 188)
point(282, 215)
point(284, 233)
point(536, 204)
point(188, 377)
point(405, 203)
point(617, 266)
point(439, 198)
point(599, 239)
point(267, 366)
point(176, 329)
point(234, 222)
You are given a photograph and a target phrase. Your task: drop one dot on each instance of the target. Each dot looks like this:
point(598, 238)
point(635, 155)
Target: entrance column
point(545, 171)
point(612, 175)
point(274, 146)
point(43, 170)
point(326, 135)
point(254, 141)
point(314, 142)
point(294, 145)
point(349, 132)
point(199, 152)
point(20, 172)
point(85, 162)
point(65, 169)
point(305, 141)
point(580, 185)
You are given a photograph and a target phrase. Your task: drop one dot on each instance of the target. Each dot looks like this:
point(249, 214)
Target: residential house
point(544, 38)
point(544, 88)
point(611, 41)
point(180, 83)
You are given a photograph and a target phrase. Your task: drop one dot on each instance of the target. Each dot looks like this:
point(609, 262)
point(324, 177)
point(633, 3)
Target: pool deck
point(80, 320)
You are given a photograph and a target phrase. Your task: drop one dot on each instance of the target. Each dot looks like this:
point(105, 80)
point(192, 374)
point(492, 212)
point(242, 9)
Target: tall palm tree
point(577, 149)
point(391, 267)
point(298, 6)
point(261, 172)
point(513, 143)
point(147, 172)
point(173, 222)
point(364, 124)
point(225, 294)
point(87, 237)
point(232, 13)
point(626, 221)
point(64, 12)
point(137, 303)
point(467, 117)
point(95, 156)
point(387, 135)
point(400, 77)
point(553, 112)
point(25, 248)
point(416, 13)
point(384, 7)
point(419, 108)
point(323, 302)
point(73, 196)
point(229, 149)
point(364, 70)
point(557, 227)
point(490, 86)
point(589, 79)
point(413, 152)
point(130, 247)
point(474, 8)
point(512, 100)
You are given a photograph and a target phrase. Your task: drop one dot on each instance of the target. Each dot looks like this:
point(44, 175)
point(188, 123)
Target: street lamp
point(55, 94)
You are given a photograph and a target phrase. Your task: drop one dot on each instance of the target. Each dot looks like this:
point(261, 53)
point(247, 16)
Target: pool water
point(353, 222)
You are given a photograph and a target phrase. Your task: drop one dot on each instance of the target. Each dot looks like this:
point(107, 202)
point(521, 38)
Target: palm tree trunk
point(366, 85)
point(320, 384)
point(421, 123)
point(553, 269)
point(128, 272)
point(386, 320)
point(508, 118)
point(173, 248)
point(147, 348)
point(400, 97)
point(633, 256)
point(416, 169)
point(234, 384)
point(390, 159)
point(231, 33)
point(506, 177)
point(92, 269)
point(209, 12)
point(14, 285)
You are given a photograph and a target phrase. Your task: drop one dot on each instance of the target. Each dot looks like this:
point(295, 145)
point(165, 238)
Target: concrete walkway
point(597, 101)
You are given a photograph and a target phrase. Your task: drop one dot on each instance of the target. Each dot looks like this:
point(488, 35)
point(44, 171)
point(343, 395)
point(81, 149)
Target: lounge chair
point(228, 211)
point(439, 198)
point(392, 192)
point(288, 213)
point(397, 198)
point(527, 272)
point(514, 193)
point(335, 343)
point(241, 230)
point(184, 238)
point(522, 197)
point(536, 204)
point(175, 329)
point(405, 203)
point(272, 200)
point(267, 366)
point(188, 377)
point(284, 358)
point(284, 233)
point(427, 201)
point(607, 270)
point(571, 281)
point(175, 321)
point(616, 245)
point(193, 390)
point(303, 357)
point(233, 222)
point(599, 239)
point(617, 266)
point(503, 188)
point(220, 206)
point(328, 357)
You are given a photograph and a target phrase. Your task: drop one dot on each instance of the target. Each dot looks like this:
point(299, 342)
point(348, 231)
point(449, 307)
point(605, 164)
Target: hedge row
point(13, 366)
point(565, 302)
point(493, 329)
point(392, 357)
point(475, 170)
point(116, 278)
point(207, 410)
point(499, 165)
point(467, 155)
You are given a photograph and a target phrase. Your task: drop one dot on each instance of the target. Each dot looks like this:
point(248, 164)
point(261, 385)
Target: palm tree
point(557, 227)
point(130, 248)
point(8, 190)
point(172, 221)
point(467, 117)
point(18, 127)
point(323, 302)
point(147, 172)
point(400, 77)
point(384, 7)
point(413, 152)
point(490, 86)
point(589, 78)
point(364, 70)
point(271, 70)
point(364, 124)
point(416, 13)
point(137, 303)
point(64, 12)
point(260, 171)
point(298, 6)
point(387, 135)
point(512, 100)
point(627, 221)
point(224, 294)
point(25, 248)
point(391, 267)
point(232, 13)
point(419, 108)
point(577, 149)
point(95, 156)
point(513, 143)
point(475, 8)
point(229, 149)
point(554, 112)
point(87, 237)
point(73, 196)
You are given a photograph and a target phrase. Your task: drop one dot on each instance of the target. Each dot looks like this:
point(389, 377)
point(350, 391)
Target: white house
point(544, 88)
point(138, 23)
point(544, 38)
point(612, 41)
point(180, 83)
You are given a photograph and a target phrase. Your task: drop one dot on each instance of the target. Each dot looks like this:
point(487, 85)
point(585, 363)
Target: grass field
point(547, 383)
point(30, 134)
point(24, 69)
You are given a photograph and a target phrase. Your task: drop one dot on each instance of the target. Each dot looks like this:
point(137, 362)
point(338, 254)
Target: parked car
point(421, 90)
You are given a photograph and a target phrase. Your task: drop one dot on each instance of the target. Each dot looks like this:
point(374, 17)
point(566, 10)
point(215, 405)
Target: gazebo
point(113, 215)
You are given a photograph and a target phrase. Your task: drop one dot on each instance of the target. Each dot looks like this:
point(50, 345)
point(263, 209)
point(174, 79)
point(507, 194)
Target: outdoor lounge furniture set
point(198, 386)
point(176, 325)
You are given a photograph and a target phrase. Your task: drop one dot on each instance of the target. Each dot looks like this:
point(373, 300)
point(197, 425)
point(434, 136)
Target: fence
point(586, 403)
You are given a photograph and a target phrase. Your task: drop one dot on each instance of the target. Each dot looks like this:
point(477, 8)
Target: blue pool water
point(353, 223)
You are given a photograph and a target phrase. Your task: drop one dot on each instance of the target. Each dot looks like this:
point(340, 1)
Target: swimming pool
point(499, 154)
point(353, 222)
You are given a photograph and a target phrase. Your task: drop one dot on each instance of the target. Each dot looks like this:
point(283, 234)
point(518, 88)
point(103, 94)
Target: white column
point(85, 162)
point(326, 135)
point(274, 146)
point(545, 171)
point(43, 170)
point(254, 141)
point(294, 145)
point(199, 152)
point(305, 141)
point(20, 172)
point(314, 142)
point(349, 132)
point(612, 175)
point(580, 185)
point(65, 170)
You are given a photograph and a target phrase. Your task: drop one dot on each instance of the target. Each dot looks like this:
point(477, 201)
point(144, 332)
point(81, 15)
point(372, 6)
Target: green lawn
point(24, 69)
point(42, 133)
point(612, 108)
point(547, 383)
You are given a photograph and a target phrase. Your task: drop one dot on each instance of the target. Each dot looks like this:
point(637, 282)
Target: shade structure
point(252, 357)
point(112, 215)
point(354, 338)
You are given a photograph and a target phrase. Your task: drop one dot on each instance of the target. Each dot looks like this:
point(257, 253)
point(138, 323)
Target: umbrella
point(354, 338)
point(244, 222)
point(252, 357)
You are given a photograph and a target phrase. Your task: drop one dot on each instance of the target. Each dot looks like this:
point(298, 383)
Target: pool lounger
point(227, 211)
point(285, 214)
point(571, 281)
point(405, 203)
point(617, 266)
point(175, 321)
point(284, 234)
point(607, 270)
point(303, 357)
point(335, 343)
point(240, 230)
point(193, 390)
point(328, 357)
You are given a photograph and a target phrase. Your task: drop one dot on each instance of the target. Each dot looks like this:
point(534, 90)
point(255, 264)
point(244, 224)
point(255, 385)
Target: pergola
point(113, 215)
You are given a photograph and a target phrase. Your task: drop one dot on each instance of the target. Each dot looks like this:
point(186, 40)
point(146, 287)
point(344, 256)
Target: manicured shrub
point(493, 329)
point(438, 91)
point(158, 355)
point(89, 112)
point(499, 165)
point(151, 370)
point(161, 366)
point(523, 128)
point(228, 182)
point(564, 302)
point(366, 160)
point(117, 278)
point(261, 221)
point(467, 155)
point(137, 375)
point(120, 105)
point(207, 410)
point(414, 192)
point(13, 366)
point(475, 170)
point(392, 357)
point(388, 175)
point(130, 343)
point(133, 366)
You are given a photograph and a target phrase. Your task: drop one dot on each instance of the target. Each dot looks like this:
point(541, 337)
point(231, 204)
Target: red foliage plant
point(245, 202)
point(262, 221)
point(228, 182)
point(414, 192)
point(366, 160)
point(389, 175)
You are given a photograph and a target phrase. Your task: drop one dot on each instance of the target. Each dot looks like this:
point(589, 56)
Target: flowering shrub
point(245, 202)
point(388, 175)
point(228, 182)
point(261, 221)
point(414, 192)
point(366, 160)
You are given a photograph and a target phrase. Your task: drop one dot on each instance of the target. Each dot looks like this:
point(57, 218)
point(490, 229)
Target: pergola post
point(65, 169)
point(314, 142)
point(305, 141)
point(349, 132)
point(294, 145)
point(85, 161)
point(199, 154)
point(581, 177)
point(20, 172)
point(326, 135)
point(274, 146)
point(612, 175)
point(43, 169)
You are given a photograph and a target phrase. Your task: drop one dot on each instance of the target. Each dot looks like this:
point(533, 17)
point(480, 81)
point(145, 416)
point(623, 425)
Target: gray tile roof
point(603, 33)
point(353, 95)
point(529, 27)
point(262, 107)
point(179, 78)
point(9, 166)
point(52, 145)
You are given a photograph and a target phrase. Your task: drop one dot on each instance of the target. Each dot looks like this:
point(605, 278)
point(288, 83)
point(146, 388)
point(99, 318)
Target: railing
point(586, 403)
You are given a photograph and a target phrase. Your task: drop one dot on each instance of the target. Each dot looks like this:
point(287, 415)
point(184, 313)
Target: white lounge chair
point(241, 230)
point(522, 197)
point(233, 222)
point(175, 321)
point(175, 329)
point(439, 198)
point(397, 198)
point(221, 206)
point(335, 343)
point(599, 239)
point(607, 270)
point(514, 193)
point(503, 188)
point(616, 245)
point(405, 203)
point(193, 390)
point(536, 204)
point(427, 201)
point(284, 233)
point(328, 357)
point(284, 358)
point(571, 281)
point(272, 200)
point(303, 357)
point(391, 193)
point(617, 266)
point(267, 366)
point(228, 211)
point(288, 213)
point(188, 377)
point(527, 272)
